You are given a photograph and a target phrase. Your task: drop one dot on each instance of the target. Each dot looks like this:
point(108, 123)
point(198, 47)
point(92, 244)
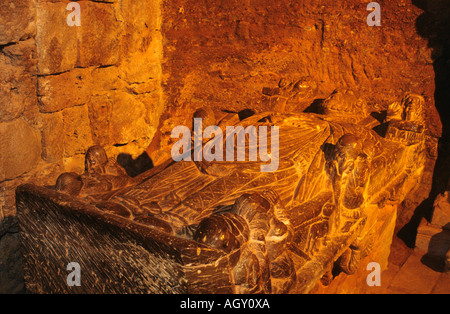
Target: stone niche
point(135, 69)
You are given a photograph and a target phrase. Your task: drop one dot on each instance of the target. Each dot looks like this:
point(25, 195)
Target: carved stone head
point(413, 105)
point(347, 149)
point(95, 160)
point(345, 105)
point(206, 114)
point(69, 183)
point(223, 232)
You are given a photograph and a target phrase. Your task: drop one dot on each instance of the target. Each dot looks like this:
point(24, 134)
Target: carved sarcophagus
point(221, 226)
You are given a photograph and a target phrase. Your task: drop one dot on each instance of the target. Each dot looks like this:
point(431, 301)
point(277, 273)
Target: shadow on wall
point(134, 167)
point(434, 25)
point(435, 258)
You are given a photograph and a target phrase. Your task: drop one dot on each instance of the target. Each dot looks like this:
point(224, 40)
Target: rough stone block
point(432, 239)
point(75, 87)
point(141, 25)
point(17, 84)
point(77, 131)
point(99, 35)
point(106, 79)
point(128, 124)
point(57, 92)
point(63, 47)
point(100, 107)
point(18, 20)
point(441, 211)
point(52, 143)
point(57, 42)
point(20, 147)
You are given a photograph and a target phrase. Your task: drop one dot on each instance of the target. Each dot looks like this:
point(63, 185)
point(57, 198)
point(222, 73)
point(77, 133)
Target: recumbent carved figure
point(280, 231)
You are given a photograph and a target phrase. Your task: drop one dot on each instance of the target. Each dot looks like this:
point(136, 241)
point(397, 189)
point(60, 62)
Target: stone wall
point(223, 60)
point(98, 83)
point(20, 140)
point(64, 88)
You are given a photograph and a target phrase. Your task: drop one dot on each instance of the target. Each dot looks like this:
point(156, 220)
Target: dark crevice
point(434, 25)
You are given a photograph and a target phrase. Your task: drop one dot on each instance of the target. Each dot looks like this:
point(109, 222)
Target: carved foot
point(349, 260)
point(327, 278)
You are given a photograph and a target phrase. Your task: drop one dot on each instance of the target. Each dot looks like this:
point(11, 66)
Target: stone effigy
point(226, 227)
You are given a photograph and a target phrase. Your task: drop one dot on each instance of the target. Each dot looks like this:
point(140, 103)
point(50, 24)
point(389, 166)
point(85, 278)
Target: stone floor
point(412, 272)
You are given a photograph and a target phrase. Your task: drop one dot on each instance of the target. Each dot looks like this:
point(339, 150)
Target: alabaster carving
point(221, 226)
